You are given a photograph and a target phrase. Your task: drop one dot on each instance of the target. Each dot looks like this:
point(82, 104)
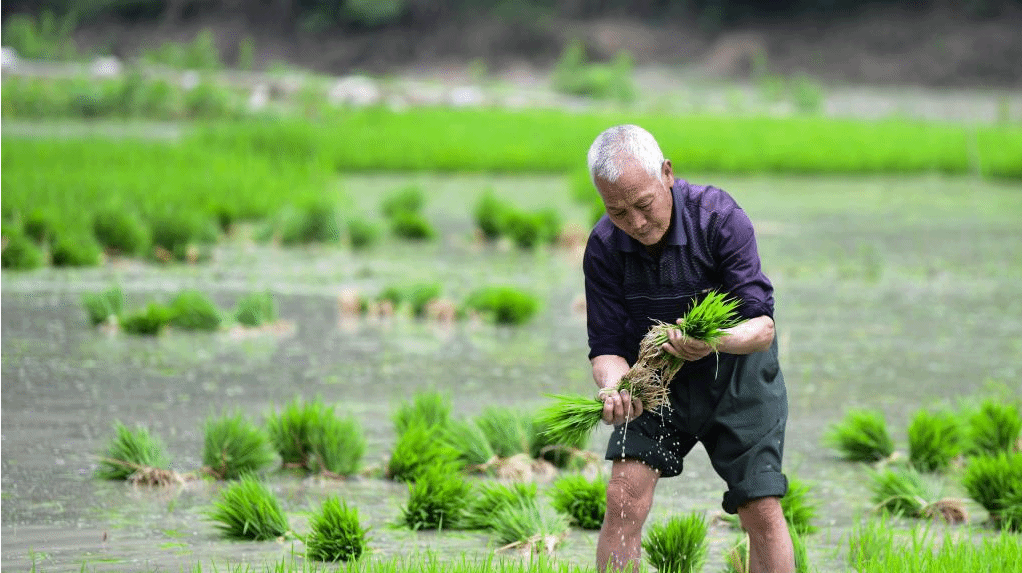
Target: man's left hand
point(688, 349)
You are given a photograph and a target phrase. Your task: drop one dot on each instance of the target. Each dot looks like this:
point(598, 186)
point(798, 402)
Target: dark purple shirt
point(709, 245)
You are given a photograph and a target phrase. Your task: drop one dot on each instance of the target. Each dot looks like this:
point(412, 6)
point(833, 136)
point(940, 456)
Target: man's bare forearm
point(753, 335)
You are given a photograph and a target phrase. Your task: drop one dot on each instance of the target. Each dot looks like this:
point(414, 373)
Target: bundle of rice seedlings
point(508, 431)
point(529, 527)
point(336, 446)
point(431, 409)
point(563, 455)
point(410, 199)
point(149, 322)
point(416, 296)
point(798, 506)
point(137, 456)
point(491, 497)
point(571, 419)
point(903, 493)
point(995, 481)
point(472, 445)
point(336, 533)
point(934, 440)
point(861, 437)
point(362, 233)
point(1011, 510)
point(436, 500)
point(19, 251)
point(798, 546)
point(121, 231)
point(418, 449)
point(412, 226)
point(582, 500)
point(994, 427)
point(677, 545)
point(502, 304)
point(103, 306)
point(314, 220)
point(193, 310)
point(255, 309)
point(290, 430)
point(868, 541)
point(246, 509)
point(234, 446)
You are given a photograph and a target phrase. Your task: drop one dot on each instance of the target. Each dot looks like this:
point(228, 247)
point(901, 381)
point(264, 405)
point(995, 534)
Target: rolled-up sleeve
point(738, 264)
point(605, 313)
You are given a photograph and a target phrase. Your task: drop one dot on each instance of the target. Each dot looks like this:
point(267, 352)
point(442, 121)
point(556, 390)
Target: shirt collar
point(675, 235)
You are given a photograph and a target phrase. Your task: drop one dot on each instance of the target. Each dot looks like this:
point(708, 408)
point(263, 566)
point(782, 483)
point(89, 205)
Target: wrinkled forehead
point(632, 186)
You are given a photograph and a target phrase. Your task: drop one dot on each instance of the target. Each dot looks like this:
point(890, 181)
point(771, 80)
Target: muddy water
point(928, 317)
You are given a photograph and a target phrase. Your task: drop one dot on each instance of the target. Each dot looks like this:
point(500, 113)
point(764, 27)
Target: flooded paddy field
point(894, 293)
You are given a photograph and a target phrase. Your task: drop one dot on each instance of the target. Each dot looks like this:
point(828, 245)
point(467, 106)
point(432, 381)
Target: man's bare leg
point(770, 548)
point(629, 498)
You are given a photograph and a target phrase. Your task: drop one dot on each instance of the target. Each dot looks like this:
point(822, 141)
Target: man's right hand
point(619, 407)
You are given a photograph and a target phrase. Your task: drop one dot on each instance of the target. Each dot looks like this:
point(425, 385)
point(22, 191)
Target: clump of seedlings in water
point(582, 500)
point(799, 507)
point(234, 446)
point(934, 440)
point(868, 540)
point(310, 436)
point(529, 527)
point(193, 310)
point(136, 456)
point(416, 297)
point(861, 437)
point(502, 304)
point(246, 509)
point(493, 497)
point(563, 455)
point(472, 445)
point(678, 544)
point(430, 409)
point(256, 309)
point(571, 419)
point(509, 431)
point(903, 492)
point(418, 449)
point(103, 306)
point(994, 427)
point(336, 533)
point(149, 322)
point(995, 481)
point(436, 500)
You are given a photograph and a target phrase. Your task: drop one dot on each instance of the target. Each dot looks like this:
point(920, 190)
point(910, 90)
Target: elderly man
point(663, 243)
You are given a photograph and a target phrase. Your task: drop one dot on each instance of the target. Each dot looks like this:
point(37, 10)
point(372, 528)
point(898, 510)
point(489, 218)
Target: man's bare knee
point(629, 497)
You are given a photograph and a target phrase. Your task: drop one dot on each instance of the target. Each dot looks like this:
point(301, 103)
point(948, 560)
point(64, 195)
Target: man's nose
point(636, 220)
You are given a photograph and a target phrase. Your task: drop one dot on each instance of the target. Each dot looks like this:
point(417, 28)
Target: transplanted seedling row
point(979, 446)
point(502, 304)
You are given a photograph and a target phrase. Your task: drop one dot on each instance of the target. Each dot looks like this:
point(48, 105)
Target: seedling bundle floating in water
point(572, 418)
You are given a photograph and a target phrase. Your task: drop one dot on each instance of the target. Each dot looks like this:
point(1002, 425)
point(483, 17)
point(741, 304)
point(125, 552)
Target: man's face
point(639, 204)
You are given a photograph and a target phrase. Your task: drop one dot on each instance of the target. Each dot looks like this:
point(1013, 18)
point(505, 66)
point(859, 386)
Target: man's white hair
point(618, 144)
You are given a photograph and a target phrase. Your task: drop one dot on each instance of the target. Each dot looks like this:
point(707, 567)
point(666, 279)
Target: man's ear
point(667, 172)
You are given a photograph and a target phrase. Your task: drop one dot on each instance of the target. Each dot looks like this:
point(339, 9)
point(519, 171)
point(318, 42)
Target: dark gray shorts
point(739, 416)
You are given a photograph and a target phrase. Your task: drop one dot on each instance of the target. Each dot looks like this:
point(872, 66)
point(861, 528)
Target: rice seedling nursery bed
point(894, 293)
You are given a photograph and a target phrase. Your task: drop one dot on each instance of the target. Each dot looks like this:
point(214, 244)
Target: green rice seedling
point(412, 226)
point(256, 309)
point(468, 439)
point(508, 431)
point(75, 249)
point(492, 497)
point(416, 296)
point(1011, 510)
point(129, 452)
point(419, 449)
point(290, 430)
point(934, 440)
point(247, 509)
point(41, 224)
point(799, 507)
point(582, 500)
point(925, 551)
point(150, 321)
point(20, 252)
point(736, 558)
point(336, 533)
point(903, 492)
point(410, 199)
point(311, 221)
point(529, 527)
point(678, 544)
point(193, 310)
point(436, 500)
point(868, 541)
point(101, 306)
point(362, 234)
point(121, 231)
point(503, 304)
point(861, 437)
point(563, 454)
point(177, 234)
point(337, 445)
point(430, 409)
point(798, 546)
point(234, 446)
point(994, 427)
point(491, 215)
point(995, 481)
point(525, 229)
